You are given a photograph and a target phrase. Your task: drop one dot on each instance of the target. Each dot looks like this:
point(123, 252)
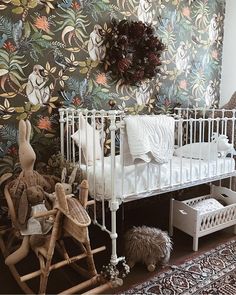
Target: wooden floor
point(182, 250)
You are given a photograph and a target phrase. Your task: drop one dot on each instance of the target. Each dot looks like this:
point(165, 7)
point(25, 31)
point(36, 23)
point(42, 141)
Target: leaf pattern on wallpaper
point(51, 55)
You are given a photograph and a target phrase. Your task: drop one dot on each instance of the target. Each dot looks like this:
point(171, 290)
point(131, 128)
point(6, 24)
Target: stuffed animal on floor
point(148, 245)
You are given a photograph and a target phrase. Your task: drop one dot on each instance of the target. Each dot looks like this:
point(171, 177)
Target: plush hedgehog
point(148, 245)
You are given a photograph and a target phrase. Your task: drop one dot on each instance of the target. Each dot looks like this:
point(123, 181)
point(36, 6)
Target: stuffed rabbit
point(27, 178)
point(67, 185)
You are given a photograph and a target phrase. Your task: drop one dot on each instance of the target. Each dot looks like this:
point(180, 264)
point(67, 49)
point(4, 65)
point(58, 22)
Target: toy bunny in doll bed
point(19, 196)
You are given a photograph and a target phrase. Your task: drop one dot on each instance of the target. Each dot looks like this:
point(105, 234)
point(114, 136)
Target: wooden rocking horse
point(68, 217)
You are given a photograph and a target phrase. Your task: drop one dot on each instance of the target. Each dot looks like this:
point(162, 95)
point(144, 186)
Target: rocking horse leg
point(90, 261)
point(42, 268)
point(52, 243)
point(14, 271)
point(20, 253)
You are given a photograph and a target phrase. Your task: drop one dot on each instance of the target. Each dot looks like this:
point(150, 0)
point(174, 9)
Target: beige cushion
point(88, 152)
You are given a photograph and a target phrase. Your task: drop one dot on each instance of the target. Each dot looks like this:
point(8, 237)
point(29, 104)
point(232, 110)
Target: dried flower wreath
point(133, 52)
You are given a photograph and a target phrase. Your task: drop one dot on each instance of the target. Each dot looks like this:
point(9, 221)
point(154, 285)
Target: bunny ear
point(23, 208)
point(73, 175)
point(63, 175)
point(22, 132)
point(28, 130)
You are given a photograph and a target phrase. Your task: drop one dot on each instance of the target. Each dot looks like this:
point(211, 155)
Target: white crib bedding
point(150, 176)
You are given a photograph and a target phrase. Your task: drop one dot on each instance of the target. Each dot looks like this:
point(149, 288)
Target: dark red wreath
point(133, 52)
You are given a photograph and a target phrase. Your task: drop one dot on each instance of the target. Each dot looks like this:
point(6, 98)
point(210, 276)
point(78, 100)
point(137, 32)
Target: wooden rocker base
point(94, 282)
point(71, 221)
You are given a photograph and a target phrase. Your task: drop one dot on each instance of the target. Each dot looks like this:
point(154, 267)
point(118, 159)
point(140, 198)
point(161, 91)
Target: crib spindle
point(62, 131)
point(200, 150)
point(103, 172)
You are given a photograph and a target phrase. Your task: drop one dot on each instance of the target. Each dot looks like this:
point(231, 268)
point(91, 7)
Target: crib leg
point(195, 243)
point(114, 207)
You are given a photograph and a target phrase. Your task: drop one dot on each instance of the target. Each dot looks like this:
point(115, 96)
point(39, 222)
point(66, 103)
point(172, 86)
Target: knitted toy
point(33, 201)
point(148, 245)
point(28, 178)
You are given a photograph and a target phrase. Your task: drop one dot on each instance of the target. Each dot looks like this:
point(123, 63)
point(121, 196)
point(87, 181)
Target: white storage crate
point(190, 220)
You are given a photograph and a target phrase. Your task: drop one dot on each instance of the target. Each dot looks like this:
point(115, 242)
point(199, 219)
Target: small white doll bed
point(204, 215)
point(149, 155)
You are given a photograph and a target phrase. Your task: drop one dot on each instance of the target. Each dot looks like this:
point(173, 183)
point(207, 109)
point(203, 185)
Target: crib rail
point(101, 145)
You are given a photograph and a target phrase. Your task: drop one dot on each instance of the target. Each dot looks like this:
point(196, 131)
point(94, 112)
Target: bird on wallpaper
point(60, 59)
point(65, 4)
point(145, 11)
point(75, 88)
point(3, 38)
point(182, 58)
point(96, 48)
point(36, 90)
point(17, 30)
point(213, 29)
point(68, 96)
point(210, 94)
point(83, 88)
point(4, 148)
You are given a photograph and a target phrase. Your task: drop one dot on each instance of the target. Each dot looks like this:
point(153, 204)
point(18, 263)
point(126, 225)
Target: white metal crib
point(111, 180)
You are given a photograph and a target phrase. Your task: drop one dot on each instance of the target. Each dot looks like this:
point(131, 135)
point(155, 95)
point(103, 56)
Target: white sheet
point(150, 138)
point(158, 176)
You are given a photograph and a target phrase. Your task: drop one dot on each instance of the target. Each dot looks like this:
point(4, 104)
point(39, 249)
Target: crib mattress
point(149, 177)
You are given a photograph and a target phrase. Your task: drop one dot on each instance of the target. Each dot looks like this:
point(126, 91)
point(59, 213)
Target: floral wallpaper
point(51, 54)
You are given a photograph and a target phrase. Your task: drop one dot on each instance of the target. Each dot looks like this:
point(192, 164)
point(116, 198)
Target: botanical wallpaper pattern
point(51, 55)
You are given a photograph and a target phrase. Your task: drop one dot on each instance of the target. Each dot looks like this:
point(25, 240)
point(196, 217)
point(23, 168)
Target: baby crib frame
point(191, 126)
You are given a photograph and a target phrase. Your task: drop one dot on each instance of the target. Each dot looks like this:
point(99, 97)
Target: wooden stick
point(80, 286)
point(46, 270)
point(62, 251)
point(91, 202)
point(83, 193)
point(15, 273)
point(61, 197)
point(100, 289)
point(45, 214)
point(60, 264)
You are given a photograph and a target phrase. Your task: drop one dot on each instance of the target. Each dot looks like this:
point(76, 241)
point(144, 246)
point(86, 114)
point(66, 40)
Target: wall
point(47, 58)
point(228, 80)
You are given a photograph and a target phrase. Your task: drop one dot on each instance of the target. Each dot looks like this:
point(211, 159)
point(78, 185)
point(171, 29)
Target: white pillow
point(199, 150)
point(207, 206)
point(88, 149)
